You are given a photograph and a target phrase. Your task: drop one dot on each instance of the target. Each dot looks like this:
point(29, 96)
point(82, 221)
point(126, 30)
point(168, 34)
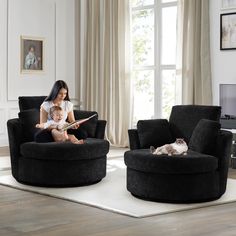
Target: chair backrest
point(30, 102)
point(184, 118)
point(89, 127)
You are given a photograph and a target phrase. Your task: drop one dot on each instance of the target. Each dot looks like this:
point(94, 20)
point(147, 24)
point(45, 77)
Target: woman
point(59, 96)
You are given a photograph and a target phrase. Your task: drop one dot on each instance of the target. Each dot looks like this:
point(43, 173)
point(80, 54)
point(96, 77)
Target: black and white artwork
point(228, 31)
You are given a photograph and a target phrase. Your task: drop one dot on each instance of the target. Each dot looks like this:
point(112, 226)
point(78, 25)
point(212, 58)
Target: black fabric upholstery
point(153, 133)
point(100, 131)
point(191, 163)
point(89, 127)
point(28, 120)
point(30, 102)
point(183, 119)
point(91, 149)
point(133, 139)
point(204, 137)
point(199, 176)
point(173, 188)
point(14, 130)
point(55, 164)
point(62, 165)
point(223, 146)
point(62, 173)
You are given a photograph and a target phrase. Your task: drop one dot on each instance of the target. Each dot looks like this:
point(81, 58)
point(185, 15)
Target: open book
point(77, 122)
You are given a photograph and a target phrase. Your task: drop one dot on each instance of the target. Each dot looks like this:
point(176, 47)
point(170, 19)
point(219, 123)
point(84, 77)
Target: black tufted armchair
point(199, 176)
point(55, 164)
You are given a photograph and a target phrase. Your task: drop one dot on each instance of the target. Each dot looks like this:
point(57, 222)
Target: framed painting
point(228, 31)
point(32, 54)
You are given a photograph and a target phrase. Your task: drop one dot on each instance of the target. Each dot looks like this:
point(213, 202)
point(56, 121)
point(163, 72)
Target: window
point(153, 58)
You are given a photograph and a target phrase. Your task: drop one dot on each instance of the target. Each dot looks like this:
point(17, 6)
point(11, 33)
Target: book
point(77, 122)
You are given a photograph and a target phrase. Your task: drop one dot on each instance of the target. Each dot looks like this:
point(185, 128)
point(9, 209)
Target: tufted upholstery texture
point(199, 176)
point(55, 164)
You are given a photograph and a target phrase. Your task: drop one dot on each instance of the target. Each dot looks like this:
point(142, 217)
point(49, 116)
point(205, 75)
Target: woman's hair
point(58, 85)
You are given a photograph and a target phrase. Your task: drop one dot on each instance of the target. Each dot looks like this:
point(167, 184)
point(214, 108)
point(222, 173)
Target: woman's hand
point(71, 118)
point(76, 126)
point(40, 126)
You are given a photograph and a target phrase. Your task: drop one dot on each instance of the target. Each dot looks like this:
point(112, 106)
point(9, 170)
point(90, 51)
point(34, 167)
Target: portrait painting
point(32, 52)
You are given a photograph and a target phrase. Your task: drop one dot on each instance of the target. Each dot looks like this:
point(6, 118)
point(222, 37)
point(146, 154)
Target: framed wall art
point(32, 54)
point(228, 31)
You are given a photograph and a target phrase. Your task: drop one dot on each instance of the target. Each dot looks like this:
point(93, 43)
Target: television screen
point(228, 100)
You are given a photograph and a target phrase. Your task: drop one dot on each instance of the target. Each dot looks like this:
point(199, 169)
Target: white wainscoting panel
point(13, 113)
point(33, 19)
point(3, 53)
point(65, 41)
point(3, 121)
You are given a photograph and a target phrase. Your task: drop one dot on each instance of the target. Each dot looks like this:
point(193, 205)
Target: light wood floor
point(24, 213)
point(4, 151)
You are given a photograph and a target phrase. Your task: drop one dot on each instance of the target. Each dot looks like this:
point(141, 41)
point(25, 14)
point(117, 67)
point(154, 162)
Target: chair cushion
point(154, 132)
point(28, 120)
point(184, 118)
point(30, 102)
point(91, 149)
point(193, 162)
point(204, 137)
point(88, 129)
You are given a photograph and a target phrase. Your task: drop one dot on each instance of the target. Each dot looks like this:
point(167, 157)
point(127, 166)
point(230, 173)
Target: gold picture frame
point(32, 54)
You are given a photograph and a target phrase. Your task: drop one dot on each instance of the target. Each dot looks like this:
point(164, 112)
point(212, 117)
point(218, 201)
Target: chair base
point(173, 188)
point(61, 164)
point(66, 173)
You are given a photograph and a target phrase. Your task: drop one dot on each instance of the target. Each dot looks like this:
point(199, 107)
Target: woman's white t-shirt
point(66, 106)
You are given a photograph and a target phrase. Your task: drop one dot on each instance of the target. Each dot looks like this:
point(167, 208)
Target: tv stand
point(228, 123)
point(233, 150)
point(232, 162)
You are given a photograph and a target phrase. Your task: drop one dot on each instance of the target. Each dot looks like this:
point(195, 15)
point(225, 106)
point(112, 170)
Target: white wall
point(52, 20)
point(223, 62)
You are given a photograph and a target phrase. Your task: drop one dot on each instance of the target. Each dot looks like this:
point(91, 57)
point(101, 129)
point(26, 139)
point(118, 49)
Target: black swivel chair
point(199, 176)
point(55, 164)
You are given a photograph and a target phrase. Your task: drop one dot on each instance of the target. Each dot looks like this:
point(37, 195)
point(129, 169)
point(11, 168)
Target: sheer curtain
point(193, 52)
point(104, 61)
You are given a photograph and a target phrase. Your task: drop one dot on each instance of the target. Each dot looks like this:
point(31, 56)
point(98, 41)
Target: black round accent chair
point(199, 176)
point(54, 164)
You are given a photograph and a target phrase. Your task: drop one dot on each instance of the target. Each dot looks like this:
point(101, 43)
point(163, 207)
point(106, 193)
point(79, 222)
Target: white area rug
point(111, 194)
point(5, 163)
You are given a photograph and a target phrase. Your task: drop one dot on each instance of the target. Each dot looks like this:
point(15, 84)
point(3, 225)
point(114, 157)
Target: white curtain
point(105, 64)
point(193, 52)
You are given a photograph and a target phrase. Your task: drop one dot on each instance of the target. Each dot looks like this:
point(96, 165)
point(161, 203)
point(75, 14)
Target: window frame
point(158, 67)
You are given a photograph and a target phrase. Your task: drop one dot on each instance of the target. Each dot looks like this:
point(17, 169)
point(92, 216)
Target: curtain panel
point(193, 67)
point(105, 62)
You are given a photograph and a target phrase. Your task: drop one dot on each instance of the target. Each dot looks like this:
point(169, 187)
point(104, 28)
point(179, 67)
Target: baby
point(56, 125)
